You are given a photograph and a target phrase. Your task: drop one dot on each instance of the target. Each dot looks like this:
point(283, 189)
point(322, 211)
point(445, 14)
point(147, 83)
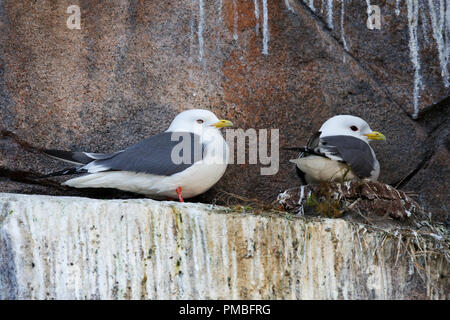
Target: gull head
point(197, 120)
point(346, 125)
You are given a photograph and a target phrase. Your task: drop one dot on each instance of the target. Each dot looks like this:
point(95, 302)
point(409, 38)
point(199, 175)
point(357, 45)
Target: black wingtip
point(303, 149)
point(61, 173)
point(68, 156)
point(60, 154)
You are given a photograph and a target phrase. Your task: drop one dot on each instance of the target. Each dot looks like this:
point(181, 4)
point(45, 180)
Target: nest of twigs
point(376, 206)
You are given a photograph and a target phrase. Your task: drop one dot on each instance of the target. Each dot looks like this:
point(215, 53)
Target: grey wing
point(351, 150)
point(311, 147)
point(313, 142)
point(154, 155)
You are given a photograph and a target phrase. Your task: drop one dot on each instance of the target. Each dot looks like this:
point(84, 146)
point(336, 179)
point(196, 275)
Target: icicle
point(438, 23)
point(413, 10)
point(397, 7)
point(191, 37)
point(200, 29)
point(191, 43)
point(235, 25)
point(265, 28)
point(330, 14)
point(447, 19)
point(288, 6)
point(256, 15)
point(342, 28)
point(447, 34)
point(369, 21)
point(424, 19)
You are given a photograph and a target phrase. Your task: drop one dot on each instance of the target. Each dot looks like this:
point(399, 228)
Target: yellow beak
point(375, 136)
point(222, 124)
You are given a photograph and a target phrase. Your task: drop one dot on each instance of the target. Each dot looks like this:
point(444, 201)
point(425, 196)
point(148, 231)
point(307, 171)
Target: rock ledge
point(79, 248)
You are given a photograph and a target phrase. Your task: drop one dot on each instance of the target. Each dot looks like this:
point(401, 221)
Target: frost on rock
point(79, 248)
point(265, 22)
point(235, 21)
point(288, 6)
point(413, 9)
point(433, 28)
point(344, 42)
point(440, 21)
point(330, 14)
point(255, 2)
point(200, 28)
point(265, 49)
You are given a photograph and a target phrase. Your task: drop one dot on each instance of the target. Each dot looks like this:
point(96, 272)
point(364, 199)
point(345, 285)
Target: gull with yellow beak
point(339, 151)
point(184, 161)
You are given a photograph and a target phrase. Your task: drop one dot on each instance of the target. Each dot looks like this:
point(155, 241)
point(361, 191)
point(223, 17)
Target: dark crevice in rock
point(436, 138)
point(435, 120)
point(22, 143)
point(404, 181)
point(434, 116)
point(28, 177)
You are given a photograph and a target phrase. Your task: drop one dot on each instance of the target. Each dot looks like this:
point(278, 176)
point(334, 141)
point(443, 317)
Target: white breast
point(317, 169)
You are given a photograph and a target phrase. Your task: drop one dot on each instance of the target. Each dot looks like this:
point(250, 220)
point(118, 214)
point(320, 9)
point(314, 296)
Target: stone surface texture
point(79, 248)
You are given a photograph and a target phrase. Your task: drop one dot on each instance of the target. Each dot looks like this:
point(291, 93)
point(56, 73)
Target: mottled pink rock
point(134, 65)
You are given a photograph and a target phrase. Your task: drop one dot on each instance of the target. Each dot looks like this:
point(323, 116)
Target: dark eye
point(200, 121)
point(354, 128)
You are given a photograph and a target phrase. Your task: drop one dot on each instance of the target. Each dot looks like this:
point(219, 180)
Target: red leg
point(180, 197)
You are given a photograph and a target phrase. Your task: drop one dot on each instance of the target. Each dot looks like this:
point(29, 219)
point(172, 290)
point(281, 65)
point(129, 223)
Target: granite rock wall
point(281, 64)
